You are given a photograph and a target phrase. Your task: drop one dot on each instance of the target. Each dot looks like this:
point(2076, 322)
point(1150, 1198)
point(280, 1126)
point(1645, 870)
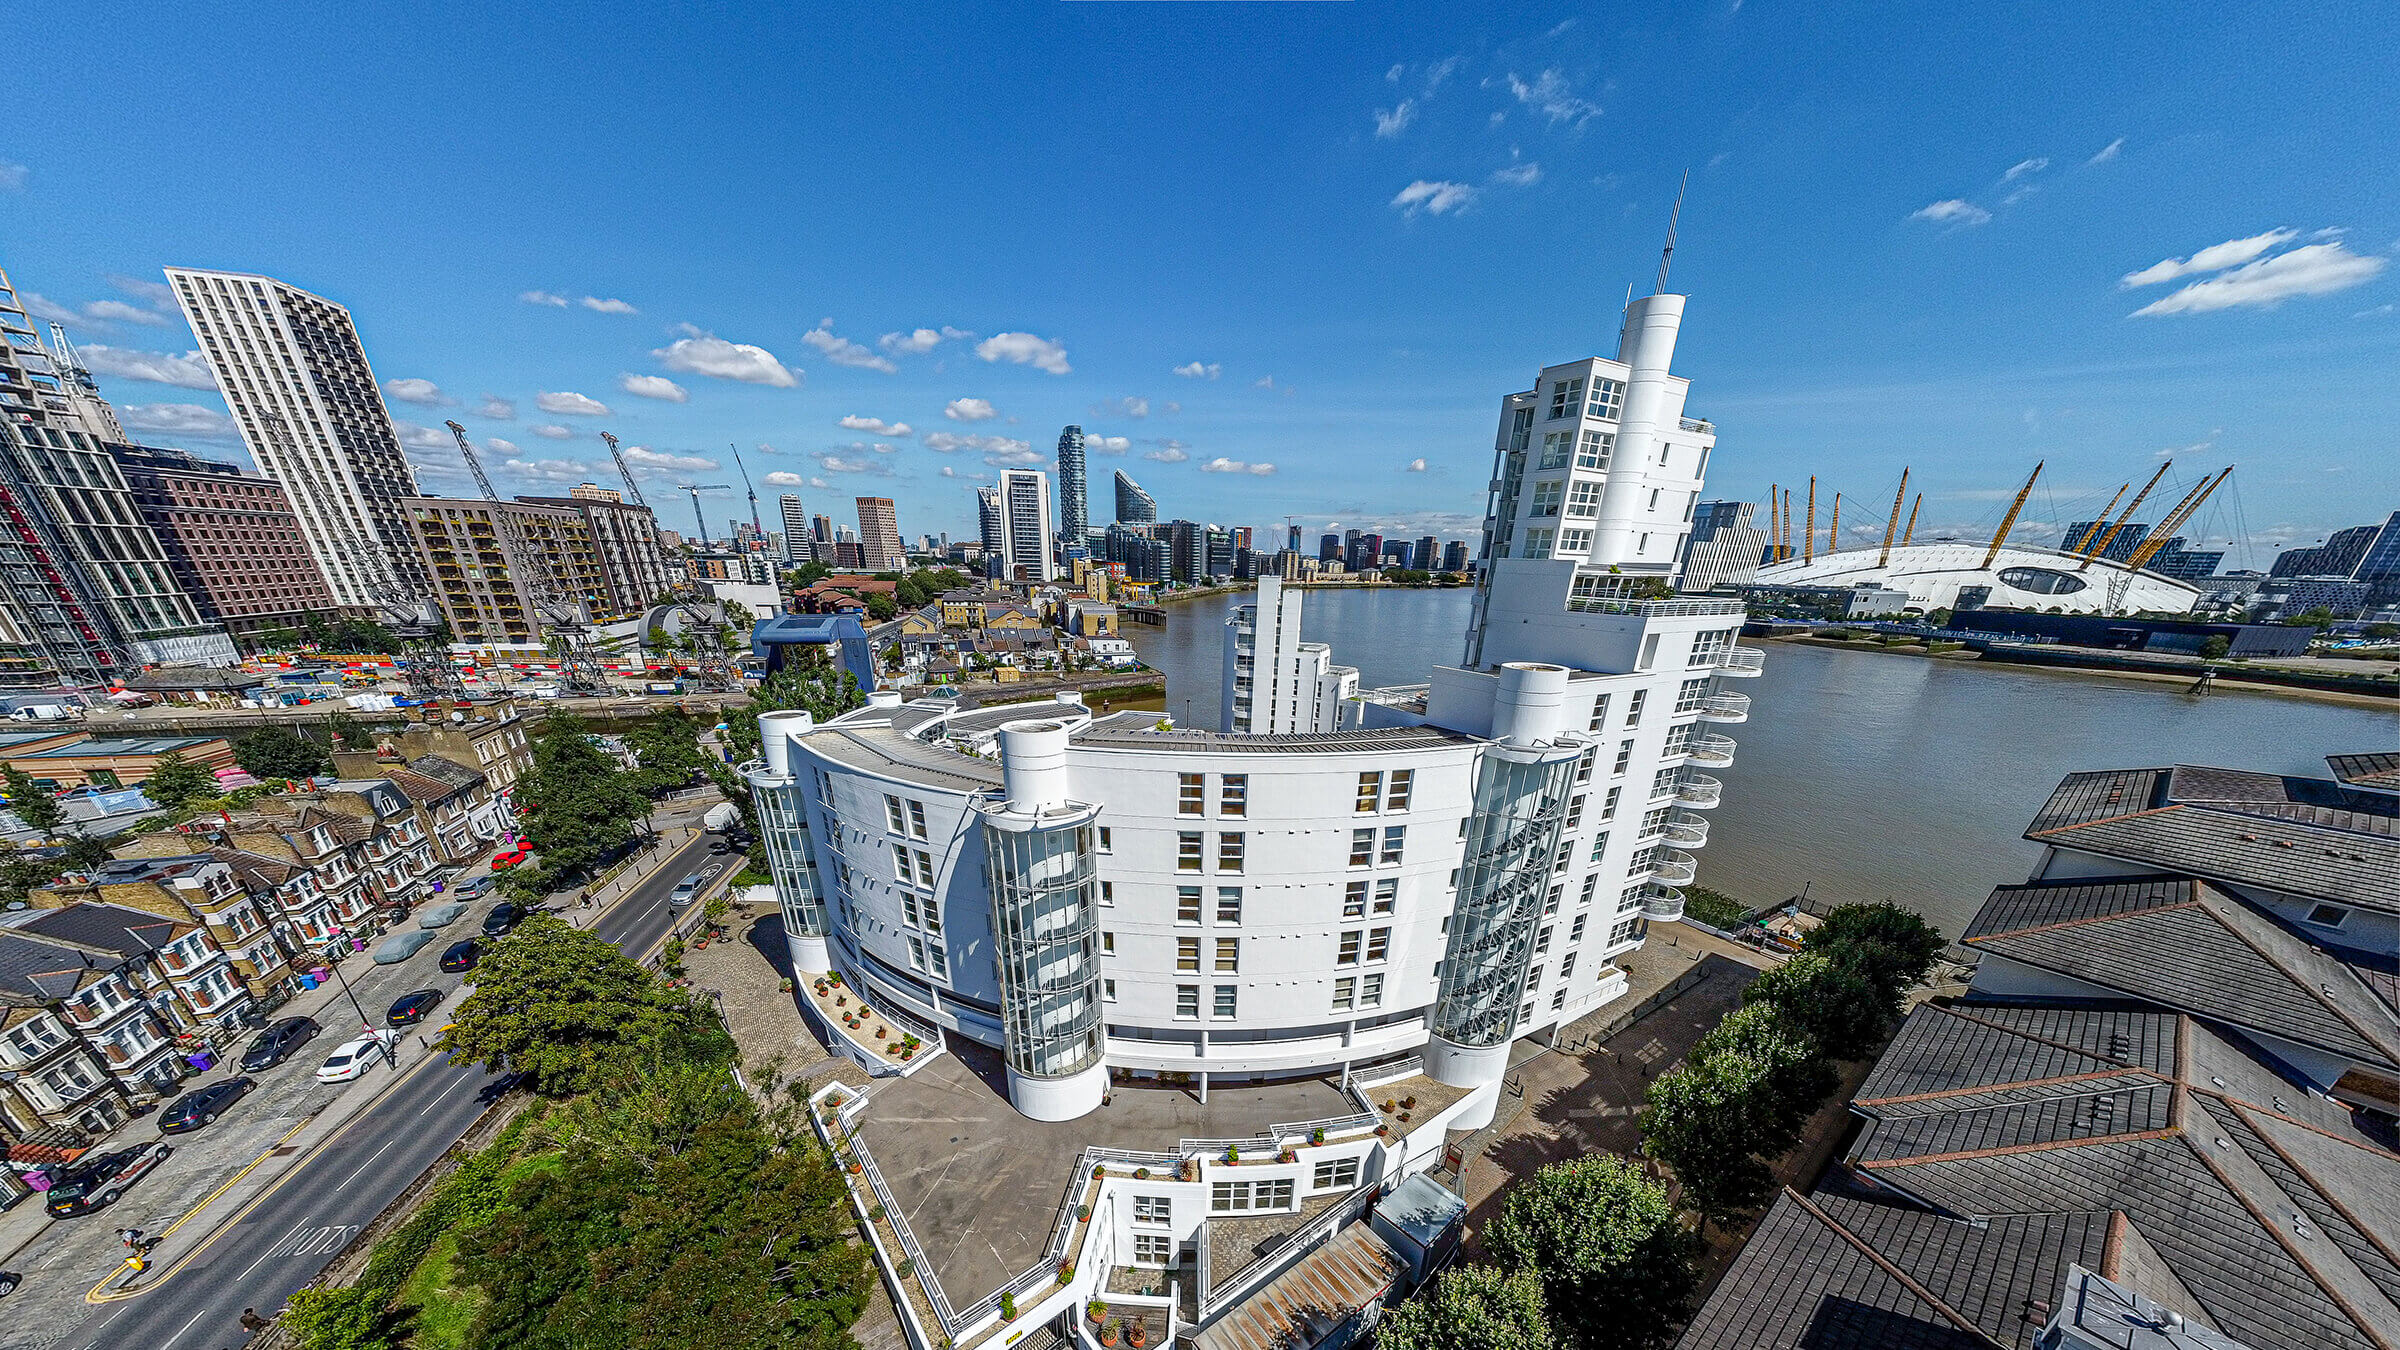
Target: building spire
point(1667, 255)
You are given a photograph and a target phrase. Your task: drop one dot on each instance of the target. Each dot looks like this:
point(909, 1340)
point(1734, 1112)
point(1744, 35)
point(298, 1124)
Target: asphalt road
point(288, 1234)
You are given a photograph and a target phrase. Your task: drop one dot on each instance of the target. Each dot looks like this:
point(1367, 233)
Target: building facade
point(624, 535)
point(1074, 514)
point(231, 537)
point(471, 548)
point(295, 376)
point(879, 535)
point(1725, 548)
point(1275, 684)
point(795, 529)
point(1097, 894)
point(1024, 496)
point(1134, 506)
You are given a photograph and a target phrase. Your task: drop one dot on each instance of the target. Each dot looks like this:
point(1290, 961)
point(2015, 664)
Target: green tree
point(584, 804)
point(40, 811)
point(1473, 1307)
point(566, 1006)
point(1890, 947)
point(1695, 1119)
point(2214, 647)
point(1834, 1006)
point(176, 782)
point(280, 752)
point(2319, 618)
point(813, 572)
point(1613, 1262)
point(808, 680)
point(667, 744)
point(1798, 1079)
point(348, 732)
point(881, 606)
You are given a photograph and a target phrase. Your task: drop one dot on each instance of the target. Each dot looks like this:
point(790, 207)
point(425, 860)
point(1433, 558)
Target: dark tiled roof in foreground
point(2380, 769)
point(2242, 849)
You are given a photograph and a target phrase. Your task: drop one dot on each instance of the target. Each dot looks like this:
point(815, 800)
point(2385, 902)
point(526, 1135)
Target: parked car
point(503, 919)
point(403, 945)
point(470, 887)
point(410, 1008)
point(273, 1045)
point(686, 889)
point(462, 955)
point(501, 862)
point(353, 1058)
point(443, 915)
point(201, 1106)
point(96, 1182)
point(8, 1282)
point(720, 845)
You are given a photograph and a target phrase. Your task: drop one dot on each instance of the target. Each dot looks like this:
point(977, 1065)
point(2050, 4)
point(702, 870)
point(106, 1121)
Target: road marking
point(437, 1101)
point(370, 1162)
point(270, 1251)
point(179, 1335)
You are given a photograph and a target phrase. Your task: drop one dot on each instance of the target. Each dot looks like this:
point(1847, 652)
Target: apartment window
point(1340, 1172)
point(924, 868)
point(1229, 956)
point(1662, 783)
point(1566, 398)
point(1370, 789)
point(1108, 893)
point(1153, 1249)
point(1546, 497)
point(1573, 541)
point(1550, 906)
point(1394, 838)
point(1108, 991)
point(1187, 955)
point(1558, 998)
point(1387, 895)
point(1566, 966)
point(1379, 944)
point(1187, 1001)
point(1655, 820)
point(1230, 849)
point(1233, 798)
point(1591, 884)
point(1623, 932)
point(1345, 993)
point(1575, 812)
point(1566, 856)
point(1187, 850)
point(1191, 794)
point(936, 960)
point(1596, 449)
point(904, 869)
point(1624, 756)
point(1370, 991)
point(916, 819)
point(1108, 943)
point(1106, 846)
point(1228, 996)
point(1608, 805)
point(1362, 847)
point(1152, 1209)
point(1520, 429)
point(1537, 543)
point(1557, 448)
point(1584, 500)
point(908, 908)
point(1631, 898)
point(1599, 714)
point(1533, 981)
point(894, 816)
point(1348, 953)
point(1354, 900)
point(1404, 782)
point(916, 954)
point(1525, 1014)
point(1690, 694)
point(1541, 940)
point(1583, 765)
point(1187, 904)
point(1229, 904)
point(1643, 860)
point(1679, 739)
point(1708, 649)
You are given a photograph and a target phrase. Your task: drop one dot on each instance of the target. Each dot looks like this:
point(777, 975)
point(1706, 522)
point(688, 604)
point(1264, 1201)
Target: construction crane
point(631, 487)
point(2130, 508)
point(2009, 521)
point(696, 489)
point(582, 674)
point(755, 523)
point(409, 612)
point(1892, 526)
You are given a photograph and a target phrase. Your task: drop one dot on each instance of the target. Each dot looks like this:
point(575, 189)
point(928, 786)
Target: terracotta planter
point(1137, 1335)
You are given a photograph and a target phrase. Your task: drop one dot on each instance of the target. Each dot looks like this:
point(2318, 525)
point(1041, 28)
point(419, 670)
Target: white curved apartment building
point(1098, 895)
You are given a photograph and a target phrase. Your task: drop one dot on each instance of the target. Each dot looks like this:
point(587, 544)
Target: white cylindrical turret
point(1033, 765)
point(776, 732)
point(1531, 705)
point(1647, 344)
point(884, 698)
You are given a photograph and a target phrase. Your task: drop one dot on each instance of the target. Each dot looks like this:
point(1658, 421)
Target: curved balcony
point(1742, 662)
point(1726, 708)
point(1700, 792)
point(1714, 751)
point(1686, 831)
point(1674, 867)
point(1662, 904)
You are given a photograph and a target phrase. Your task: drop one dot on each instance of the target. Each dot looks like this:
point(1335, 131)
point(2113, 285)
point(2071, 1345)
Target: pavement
point(250, 1209)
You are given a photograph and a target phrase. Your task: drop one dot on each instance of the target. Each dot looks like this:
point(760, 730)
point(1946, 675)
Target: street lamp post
point(391, 1054)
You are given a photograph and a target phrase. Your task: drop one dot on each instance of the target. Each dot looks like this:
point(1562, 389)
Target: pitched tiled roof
point(2380, 769)
point(2343, 866)
point(422, 787)
point(112, 928)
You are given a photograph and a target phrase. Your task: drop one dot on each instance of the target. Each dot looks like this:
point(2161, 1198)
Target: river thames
point(1860, 776)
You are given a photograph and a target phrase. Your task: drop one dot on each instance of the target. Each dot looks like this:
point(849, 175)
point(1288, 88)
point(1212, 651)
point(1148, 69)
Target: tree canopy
point(584, 803)
point(1836, 1006)
point(40, 811)
point(1471, 1307)
point(1613, 1262)
point(280, 752)
point(1888, 946)
point(566, 1006)
point(808, 680)
point(176, 782)
point(668, 744)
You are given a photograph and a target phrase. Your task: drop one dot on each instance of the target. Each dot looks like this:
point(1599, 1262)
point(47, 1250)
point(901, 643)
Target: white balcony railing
point(1662, 904)
point(1686, 831)
point(1726, 708)
point(1742, 663)
point(1714, 751)
point(1674, 867)
point(1699, 791)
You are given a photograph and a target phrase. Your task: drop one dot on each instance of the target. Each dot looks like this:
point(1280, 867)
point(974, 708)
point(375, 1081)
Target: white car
point(352, 1058)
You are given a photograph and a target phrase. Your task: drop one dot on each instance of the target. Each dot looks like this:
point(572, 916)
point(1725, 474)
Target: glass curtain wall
point(792, 857)
point(1044, 922)
point(1519, 808)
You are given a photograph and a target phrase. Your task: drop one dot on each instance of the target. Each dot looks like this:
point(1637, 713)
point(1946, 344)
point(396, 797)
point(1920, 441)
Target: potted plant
point(1098, 1171)
point(1232, 1154)
point(786, 986)
point(880, 1033)
point(1098, 1311)
point(1288, 1155)
point(876, 1214)
point(1008, 1307)
point(1317, 1135)
point(1409, 1102)
point(1136, 1332)
point(1383, 1131)
point(1083, 1214)
point(1066, 1271)
point(834, 975)
point(1108, 1333)
point(1141, 1174)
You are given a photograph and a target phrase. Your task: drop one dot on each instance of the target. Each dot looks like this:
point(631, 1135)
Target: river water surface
point(1860, 776)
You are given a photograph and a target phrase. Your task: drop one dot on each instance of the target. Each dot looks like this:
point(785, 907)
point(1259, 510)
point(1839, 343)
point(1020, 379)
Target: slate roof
point(2343, 866)
point(43, 970)
point(422, 787)
point(2380, 770)
point(111, 928)
point(2181, 943)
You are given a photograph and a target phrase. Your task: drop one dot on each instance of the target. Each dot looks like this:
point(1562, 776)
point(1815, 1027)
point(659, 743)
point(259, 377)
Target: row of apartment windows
point(1233, 794)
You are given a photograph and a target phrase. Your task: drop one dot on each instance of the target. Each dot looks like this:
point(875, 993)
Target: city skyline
point(2006, 281)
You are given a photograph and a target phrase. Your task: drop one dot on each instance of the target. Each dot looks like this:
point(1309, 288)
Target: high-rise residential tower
point(879, 535)
point(1074, 519)
point(991, 520)
point(1275, 684)
point(295, 376)
point(1025, 525)
point(1134, 506)
point(795, 530)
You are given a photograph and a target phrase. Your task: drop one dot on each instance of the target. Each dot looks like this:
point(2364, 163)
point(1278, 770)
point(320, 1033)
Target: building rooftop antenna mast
point(1667, 255)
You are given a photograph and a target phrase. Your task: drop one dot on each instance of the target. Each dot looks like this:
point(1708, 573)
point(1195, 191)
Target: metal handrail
point(1728, 705)
point(1691, 833)
point(1388, 1073)
point(1738, 657)
point(1674, 866)
point(1308, 1235)
point(1654, 609)
point(892, 1214)
point(1711, 749)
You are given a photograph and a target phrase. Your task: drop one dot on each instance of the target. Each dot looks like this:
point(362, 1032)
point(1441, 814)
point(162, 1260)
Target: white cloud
point(653, 386)
point(1416, 466)
point(854, 422)
point(1223, 465)
point(707, 354)
point(1518, 175)
point(158, 293)
point(2377, 311)
point(843, 352)
point(1554, 96)
point(565, 471)
point(917, 342)
point(834, 461)
point(1173, 407)
point(496, 408)
point(1024, 349)
point(175, 419)
point(784, 478)
point(1391, 124)
point(2214, 258)
point(2108, 152)
point(1132, 405)
point(2023, 167)
point(2311, 269)
point(969, 410)
point(947, 441)
point(424, 393)
point(500, 447)
point(643, 457)
point(1170, 453)
point(1434, 198)
point(117, 311)
point(1014, 455)
point(610, 306)
point(1393, 74)
point(1440, 71)
point(952, 471)
point(13, 176)
point(187, 371)
point(553, 432)
point(543, 298)
point(41, 306)
point(568, 403)
point(1108, 445)
point(415, 437)
point(1200, 370)
point(1952, 211)
point(1263, 382)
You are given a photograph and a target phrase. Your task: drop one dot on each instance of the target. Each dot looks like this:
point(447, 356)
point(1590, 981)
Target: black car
point(95, 1182)
point(275, 1044)
point(410, 1008)
point(8, 1282)
point(201, 1106)
point(462, 955)
point(503, 918)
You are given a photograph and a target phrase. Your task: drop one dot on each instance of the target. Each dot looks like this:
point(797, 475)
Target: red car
point(501, 862)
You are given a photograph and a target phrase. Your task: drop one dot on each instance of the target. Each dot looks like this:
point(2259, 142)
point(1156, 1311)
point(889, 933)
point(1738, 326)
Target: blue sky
point(1287, 256)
